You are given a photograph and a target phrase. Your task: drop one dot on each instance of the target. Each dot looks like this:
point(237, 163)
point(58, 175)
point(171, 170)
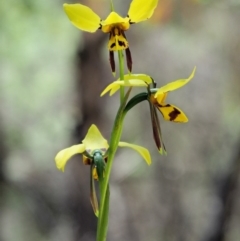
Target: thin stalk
point(112, 8)
point(103, 215)
point(104, 186)
point(115, 138)
point(121, 73)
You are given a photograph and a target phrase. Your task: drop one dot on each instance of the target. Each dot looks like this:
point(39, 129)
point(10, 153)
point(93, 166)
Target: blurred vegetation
point(47, 72)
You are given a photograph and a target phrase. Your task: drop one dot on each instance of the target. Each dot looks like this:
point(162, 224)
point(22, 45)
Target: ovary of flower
point(94, 141)
point(86, 19)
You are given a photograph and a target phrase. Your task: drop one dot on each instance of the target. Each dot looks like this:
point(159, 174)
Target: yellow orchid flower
point(94, 141)
point(86, 19)
point(168, 111)
point(156, 98)
point(94, 150)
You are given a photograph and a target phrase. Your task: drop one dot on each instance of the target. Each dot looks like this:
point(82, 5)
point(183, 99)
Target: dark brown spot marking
point(113, 45)
point(121, 43)
point(174, 114)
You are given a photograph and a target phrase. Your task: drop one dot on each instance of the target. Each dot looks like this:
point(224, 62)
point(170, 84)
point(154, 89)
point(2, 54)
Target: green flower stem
point(104, 186)
point(115, 138)
point(121, 73)
point(103, 215)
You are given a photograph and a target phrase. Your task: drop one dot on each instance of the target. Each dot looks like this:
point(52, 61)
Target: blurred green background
point(51, 75)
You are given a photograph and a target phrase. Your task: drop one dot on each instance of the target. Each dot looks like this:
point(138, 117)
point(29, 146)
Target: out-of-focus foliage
point(36, 51)
point(179, 196)
point(37, 45)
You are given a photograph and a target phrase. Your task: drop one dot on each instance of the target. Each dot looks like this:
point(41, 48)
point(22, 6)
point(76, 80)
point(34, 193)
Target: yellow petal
point(172, 113)
point(141, 150)
point(114, 90)
point(82, 17)
point(112, 20)
point(128, 82)
point(133, 82)
point(64, 155)
point(140, 77)
point(95, 141)
point(141, 10)
point(160, 98)
point(175, 85)
point(113, 87)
